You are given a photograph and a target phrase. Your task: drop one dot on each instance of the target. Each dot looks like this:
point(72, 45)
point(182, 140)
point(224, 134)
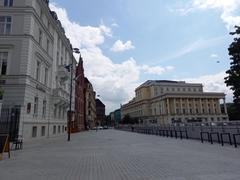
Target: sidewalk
point(118, 155)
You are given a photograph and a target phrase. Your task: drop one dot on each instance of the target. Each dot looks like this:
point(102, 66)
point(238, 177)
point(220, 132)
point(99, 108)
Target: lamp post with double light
point(70, 67)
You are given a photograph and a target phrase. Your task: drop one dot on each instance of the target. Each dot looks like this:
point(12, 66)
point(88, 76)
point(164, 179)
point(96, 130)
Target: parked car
point(105, 127)
point(100, 127)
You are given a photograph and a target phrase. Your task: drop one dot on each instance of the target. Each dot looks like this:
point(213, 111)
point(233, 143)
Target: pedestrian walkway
point(119, 155)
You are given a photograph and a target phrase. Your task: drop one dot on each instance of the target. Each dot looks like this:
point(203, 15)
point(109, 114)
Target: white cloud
point(229, 9)
point(81, 36)
point(115, 83)
point(214, 55)
point(156, 69)
point(120, 46)
point(213, 83)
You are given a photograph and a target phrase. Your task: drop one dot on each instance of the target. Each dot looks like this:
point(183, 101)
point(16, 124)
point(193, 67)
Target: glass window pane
point(1, 28)
point(9, 19)
point(11, 3)
point(4, 68)
point(2, 18)
point(8, 28)
point(5, 2)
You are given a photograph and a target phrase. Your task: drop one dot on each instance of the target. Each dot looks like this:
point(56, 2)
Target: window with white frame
point(43, 131)
point(34, 131)
point(8, 3)
point(5, 24)
point(35, 109)
point(3, 63)
point(38, 70)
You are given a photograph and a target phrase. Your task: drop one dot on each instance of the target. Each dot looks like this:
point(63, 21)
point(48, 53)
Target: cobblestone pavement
point(118, 155)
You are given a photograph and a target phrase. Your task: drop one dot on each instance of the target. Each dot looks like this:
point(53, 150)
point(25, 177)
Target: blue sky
point(174, 39)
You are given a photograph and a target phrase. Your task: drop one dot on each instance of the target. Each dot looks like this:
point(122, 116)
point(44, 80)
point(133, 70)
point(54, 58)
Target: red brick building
point(79, 123)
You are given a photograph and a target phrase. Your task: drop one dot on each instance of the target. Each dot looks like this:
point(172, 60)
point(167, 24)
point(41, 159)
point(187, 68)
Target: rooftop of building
point(166, 82)
point(99, 103)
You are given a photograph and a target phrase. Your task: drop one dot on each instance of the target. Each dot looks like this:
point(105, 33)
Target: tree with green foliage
point(233, 78)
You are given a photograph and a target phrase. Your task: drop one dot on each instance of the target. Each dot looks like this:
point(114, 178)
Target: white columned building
point(33, 54)
point(179, 102)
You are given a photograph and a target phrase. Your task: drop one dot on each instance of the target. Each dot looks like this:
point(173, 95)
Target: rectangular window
point(35, 110)
point(43, 131)
point(29, 108)
point(8, 3)
point(46, 77)
point(61, 60)
point(59, 129)
point(38, 71)
point(34, 131)
point(54, 129)
point(44, 108)
point(58, 63)
point(155, 91)
point(3, 63)
point(40, 37)
point(5, 24)
point(184, 111)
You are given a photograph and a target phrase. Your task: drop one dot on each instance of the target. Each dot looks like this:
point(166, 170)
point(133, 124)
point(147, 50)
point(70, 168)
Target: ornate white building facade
point(166, 102)
point(33, 54)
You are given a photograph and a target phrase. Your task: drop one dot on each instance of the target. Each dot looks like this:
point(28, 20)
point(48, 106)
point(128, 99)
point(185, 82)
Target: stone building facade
point(100, 109)
point(33, 53)
point(164, 102)
point(90, 104)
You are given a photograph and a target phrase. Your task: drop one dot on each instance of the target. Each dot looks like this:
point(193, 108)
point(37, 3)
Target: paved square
point(118, 155)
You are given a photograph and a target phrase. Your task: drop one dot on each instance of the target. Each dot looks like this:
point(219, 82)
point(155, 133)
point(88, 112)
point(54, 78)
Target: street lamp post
point(75, 50)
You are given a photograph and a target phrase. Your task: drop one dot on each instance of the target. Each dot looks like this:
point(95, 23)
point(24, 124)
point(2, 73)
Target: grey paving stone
point(118, 155)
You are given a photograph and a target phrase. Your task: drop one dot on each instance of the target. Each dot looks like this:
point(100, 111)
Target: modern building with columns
point(166, 102)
